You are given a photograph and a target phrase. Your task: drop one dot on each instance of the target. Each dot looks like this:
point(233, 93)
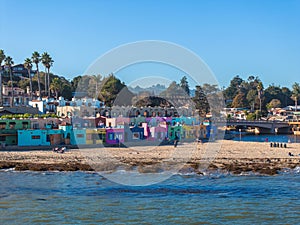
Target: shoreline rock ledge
point(234, 157)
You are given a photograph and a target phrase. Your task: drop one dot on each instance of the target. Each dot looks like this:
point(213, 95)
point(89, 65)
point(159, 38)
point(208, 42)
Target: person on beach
point(176, 141)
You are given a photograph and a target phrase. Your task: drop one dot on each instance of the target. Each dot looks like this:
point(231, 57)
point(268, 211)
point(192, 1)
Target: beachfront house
point(78, 136)
point(95, 136)
point(137, 133)
point(158, 133)
point(39, 137)
point(174, 132)
point(188, 132)
point(9, 128)
point(115, 136)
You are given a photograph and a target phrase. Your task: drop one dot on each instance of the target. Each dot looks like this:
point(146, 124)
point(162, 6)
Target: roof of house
point(18, 110)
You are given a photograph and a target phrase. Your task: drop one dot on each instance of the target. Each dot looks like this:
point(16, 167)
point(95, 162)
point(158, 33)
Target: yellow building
point(95, 136)
point(188, 132)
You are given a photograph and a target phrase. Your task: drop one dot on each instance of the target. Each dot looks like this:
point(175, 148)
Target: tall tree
point(9, 62)
point(113, 89)
point(2, 57)
point(28, 66)
point(185, 85)
point(274, 103)
point(36, 58)
point(201, 102)
point(48, 63)
point(296, 93)
point(233, 89)
point(97, 80)
point(75, 82)
point(55, 86)
point(260, 89)
point(240, 101)
point(287, 93)
point(252, 98)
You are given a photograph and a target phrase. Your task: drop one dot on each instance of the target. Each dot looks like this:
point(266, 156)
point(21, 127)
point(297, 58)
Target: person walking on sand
point(176, 141)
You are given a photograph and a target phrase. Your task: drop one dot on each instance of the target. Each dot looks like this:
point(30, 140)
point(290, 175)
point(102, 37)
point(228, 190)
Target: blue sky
point(260, 38)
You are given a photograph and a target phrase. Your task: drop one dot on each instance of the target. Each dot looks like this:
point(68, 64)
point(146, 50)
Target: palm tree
point(296, 93)
point(28, 66)
point(47, 62)
point(97, 79)
point(49, 65)
point(260, 93)
point(8, 63)
point(55, 86)
point(36, 58)
point(2, 57)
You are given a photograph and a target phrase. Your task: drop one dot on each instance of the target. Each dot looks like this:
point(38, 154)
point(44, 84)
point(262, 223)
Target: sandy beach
point(232, 156)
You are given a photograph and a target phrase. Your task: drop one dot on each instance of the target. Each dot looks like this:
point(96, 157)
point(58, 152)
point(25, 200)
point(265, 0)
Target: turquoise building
point(39, 137)
point(73, 136)
point(174, 131)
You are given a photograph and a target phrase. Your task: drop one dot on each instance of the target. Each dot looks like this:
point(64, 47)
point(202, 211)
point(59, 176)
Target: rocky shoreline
point(233, 157)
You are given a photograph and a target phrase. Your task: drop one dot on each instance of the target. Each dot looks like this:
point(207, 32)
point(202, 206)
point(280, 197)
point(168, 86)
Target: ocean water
point(283, 138)
point(88, 198)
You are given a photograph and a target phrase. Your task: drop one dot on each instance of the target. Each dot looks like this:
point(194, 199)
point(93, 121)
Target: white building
point(21, 98)
point(78, 107)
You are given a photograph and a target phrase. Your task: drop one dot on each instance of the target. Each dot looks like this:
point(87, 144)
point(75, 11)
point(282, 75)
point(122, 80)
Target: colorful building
point(39, 137)
point(137, 133)
point(174, 132)
point(188, 132)
point(115, 135)
point(9, 130)
point(95, 136)
point(78, 137)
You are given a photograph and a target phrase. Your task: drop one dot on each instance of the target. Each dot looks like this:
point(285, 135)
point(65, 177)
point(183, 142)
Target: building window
point(94, 136)
point(35, 126)
point(119, 136)
point(136, 135)
point(79, 135)
point(2, 138)
point(12, 125)
point(111, 137)
point(2, 125)
point(77, 125)
point(25, 125)
point(35, 137)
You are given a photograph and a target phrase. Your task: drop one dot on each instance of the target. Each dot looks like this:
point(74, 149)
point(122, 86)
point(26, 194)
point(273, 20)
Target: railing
point(256, 121)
